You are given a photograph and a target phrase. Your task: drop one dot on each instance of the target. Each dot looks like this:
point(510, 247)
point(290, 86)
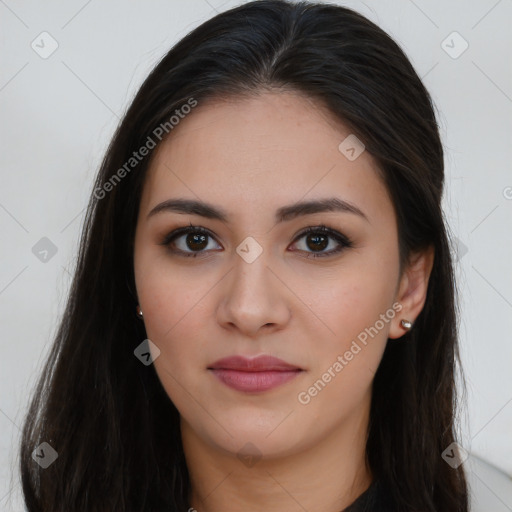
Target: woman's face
point(252, 285)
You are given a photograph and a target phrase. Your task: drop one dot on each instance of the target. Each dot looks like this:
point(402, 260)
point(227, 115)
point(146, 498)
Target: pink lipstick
point(256, 374)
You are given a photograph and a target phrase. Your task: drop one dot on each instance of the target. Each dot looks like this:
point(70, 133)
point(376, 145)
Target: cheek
point(356, 312)
point(174, 317)
point(174, 305)
point(169, 293)
point(344, 363)
point(172, 301)
point(352, 298)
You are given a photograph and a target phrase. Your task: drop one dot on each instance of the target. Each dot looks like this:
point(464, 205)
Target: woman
point(263, 313)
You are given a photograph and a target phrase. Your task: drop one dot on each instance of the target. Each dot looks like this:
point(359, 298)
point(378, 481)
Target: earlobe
point(412, 292)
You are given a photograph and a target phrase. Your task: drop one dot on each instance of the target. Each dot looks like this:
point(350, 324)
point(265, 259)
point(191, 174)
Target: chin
point(269, 440)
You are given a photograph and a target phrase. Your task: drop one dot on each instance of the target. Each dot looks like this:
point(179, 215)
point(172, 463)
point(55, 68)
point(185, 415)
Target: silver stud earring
point(139, 312)
point(406, 324)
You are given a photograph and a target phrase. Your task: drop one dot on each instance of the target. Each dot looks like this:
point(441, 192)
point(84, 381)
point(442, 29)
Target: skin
point(251, 156)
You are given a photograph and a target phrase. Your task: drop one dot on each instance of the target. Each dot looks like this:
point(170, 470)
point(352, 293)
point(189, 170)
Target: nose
point(253, 299)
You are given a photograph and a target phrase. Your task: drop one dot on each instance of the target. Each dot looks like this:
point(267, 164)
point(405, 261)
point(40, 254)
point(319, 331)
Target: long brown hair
point(107, 416)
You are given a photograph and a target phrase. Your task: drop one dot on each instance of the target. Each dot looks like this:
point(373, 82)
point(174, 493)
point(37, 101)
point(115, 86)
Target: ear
point(412, 290)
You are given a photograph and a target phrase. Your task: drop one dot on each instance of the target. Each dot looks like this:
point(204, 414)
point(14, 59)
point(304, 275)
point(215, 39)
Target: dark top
point(375, 499)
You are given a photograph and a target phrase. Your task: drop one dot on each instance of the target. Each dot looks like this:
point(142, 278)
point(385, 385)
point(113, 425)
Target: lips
point(257, 374)
point(255, 364)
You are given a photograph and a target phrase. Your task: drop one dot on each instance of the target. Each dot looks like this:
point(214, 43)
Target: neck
point(326, 477)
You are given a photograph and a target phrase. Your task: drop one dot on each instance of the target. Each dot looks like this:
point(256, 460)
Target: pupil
point(316, 238)
point(194, 238)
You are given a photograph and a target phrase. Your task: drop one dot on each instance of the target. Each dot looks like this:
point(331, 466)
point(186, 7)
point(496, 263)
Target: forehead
point(266, 150)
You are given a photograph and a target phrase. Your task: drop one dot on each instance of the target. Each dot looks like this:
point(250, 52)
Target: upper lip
point(255, 364)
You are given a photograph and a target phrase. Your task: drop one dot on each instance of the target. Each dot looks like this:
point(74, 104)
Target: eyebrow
point(285, 213)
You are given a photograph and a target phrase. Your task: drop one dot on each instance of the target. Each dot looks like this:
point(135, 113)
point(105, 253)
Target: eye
point(317, 239)
point(192, 237)
point(193, 241)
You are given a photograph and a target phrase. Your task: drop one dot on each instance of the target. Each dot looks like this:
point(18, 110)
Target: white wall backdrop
point(68, 72)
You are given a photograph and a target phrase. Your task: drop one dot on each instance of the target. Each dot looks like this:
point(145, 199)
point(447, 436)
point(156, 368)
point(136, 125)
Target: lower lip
point(254, 381)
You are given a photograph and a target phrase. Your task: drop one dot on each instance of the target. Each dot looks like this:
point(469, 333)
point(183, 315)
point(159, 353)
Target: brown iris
point(316, 244)
point(196, 238)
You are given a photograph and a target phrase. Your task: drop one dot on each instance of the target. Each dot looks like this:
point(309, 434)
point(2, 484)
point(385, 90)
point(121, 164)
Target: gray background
point(58, 113)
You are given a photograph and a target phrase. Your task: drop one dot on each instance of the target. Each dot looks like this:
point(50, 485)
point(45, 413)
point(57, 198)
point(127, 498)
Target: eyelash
point(344, 241)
